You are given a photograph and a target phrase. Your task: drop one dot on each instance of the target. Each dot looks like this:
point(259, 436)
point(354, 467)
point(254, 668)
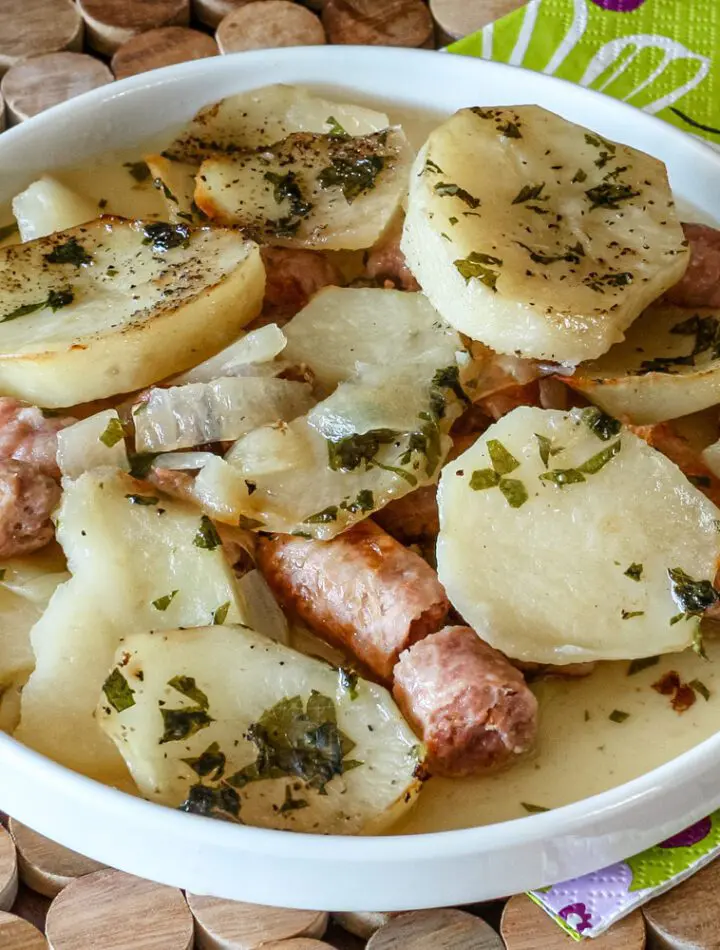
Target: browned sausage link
point(700, 286)
point(28, 436)
point(386, 263)
point(293, 276)
point(27, 498)
point(471, 707)
point(362, 590)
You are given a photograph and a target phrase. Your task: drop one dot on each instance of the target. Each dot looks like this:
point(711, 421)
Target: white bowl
point(274, 867)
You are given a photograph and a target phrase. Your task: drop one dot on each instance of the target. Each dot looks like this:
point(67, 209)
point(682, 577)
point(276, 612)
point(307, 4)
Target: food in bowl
point(232, 411)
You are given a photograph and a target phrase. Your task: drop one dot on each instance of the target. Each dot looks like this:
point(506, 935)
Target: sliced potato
point(315, 191)
point(564, 538)
point(138, 562)
point(47, 206)
point(343, 326)
point(115, 305)
point(95, 442)
point(667, 366)
point(254, 731)
point(263, 116)
point(176, 182)
point(16, 655)
point(555, 254)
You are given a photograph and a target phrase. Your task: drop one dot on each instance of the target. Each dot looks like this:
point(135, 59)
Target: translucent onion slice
point(92, 443)
point(183, 461)
point(258, 346)
point(184, 416)
point(264, 612)
point(711, 457)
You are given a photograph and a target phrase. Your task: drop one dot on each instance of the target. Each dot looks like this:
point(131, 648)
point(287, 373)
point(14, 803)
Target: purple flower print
point(619, 6)
point(576, 910)
point(686, 839)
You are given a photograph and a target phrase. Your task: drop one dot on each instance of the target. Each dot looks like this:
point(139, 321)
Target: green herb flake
point(145, 500)
point(161, 186)
point(210, 763)
point(163, 236)
point(599, 423)
point(579, 175)
point(162, 603)
point(449, 378)
point(607, 195)
point(533, 809)
point(286, 188)
point(597, 462)
point(180, 724)
point(55, 300)
point(453, 220)
point(500, 459)
point(634, 572)
point(510, 130)
point(544, 448)
point(562, 477)
point(617, 715)
point(629, 614)
point(354, 175)
point(69, 252)
point(323, 517)
point(571, 254)
point(292, 804)
point(642, 663)
point(692, 597)
point(430, 166)
point(698, 647)
point(139, 170)
point(220, 613)
point(448, 190)
point(335, 130)
point(348, 681)
point(514, 492)
point(700, 688)
point(206, 536)
point(355, 450)
point(484, 478)
point(364, 501)
point(219, 802)
point(118, 692)
point(528, 193)
point(141, 463)
point(112, 434)
point(188, 687)
point(475, 265)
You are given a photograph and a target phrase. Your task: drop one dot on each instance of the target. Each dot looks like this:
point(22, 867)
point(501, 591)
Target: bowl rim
point(691, 777)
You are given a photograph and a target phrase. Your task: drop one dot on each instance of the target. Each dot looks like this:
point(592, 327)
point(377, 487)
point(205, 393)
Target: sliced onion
point(184, 416)
point(183, 461)
point(34, 578)
point(711, 457)
point(258, 346)
point(263, 611)
point(92, 443)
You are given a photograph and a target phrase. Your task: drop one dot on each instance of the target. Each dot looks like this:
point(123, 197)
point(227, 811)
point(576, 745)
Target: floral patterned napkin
point(661, 56)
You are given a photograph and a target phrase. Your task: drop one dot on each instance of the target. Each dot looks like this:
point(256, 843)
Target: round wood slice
point(298, 943)
point(109, 910)
point(525, 926)
point(32, 907)
point(162, 47)
point(18, 934)
point(35, 85)
point(436, 930)
point(32, 27)
point(8, 871)
point(110, 23)
point(269, 23)
point(378, 22)
point(211, 12)
point(362, 923)
point(688, 916)
point(457, 18)
point(44, 866)
point(232, 925)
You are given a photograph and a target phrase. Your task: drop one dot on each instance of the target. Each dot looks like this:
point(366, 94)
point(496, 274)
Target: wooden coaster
point(211, 12)
point(436, 929)
point(8, 871)
point(35, 85)
point(110, 23)
point(362, 923)
point(378, 22)
point(269, 23)
point(232, 925)
point(687, 917)
point(18, 934)
point(32, 27)
point(525, 926)
point(45, 866)
point(109, 910)
point(32, 907)
point(457, 18)
point(162, 47)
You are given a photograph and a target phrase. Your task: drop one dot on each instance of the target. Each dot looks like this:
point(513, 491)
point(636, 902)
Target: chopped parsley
point(141, 463)
point(206, 536)
point(161, 186)
point(617, 715)
point(511, 130)
point(118, 692)
point(220, 802)
point(475, 265)
point(597, 462)
point(325, 516)
point(579, 175)
point(700, 688)
point(364, 501)
point(112, 434)
point(139, 170)
point(629, 614)
point(353, 174)
point(571, 254)
point(484, 478)
point(448, 190)
point(562, 476)
point(69, 252)
point(220, 613)
point(430, 166)
point(146, 500)
point(598, 282)
point(187, 686)
point(360, 448)
point(634, 572)
point(533, 809)
point(179, 724)
point(642, 663)
point(512, 489)
point(691, 596)
point(500, 459)
point(514, 492)
point(348, 681)
point(55, 300)
point(292, 804)
point(528, 193)
point(209, 763)
point(163, 236)
point(607, 195)
point(286, 188)
point(336, 130)
point(600, 423)
point(162, 603)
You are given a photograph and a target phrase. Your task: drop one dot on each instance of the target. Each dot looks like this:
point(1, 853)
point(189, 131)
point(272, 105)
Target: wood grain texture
point(232, 925)
point(8, 871)
point(31, 906)
point(110, 23)
point(378, 22)
point(457, 18)
point(299, 943)
point(525, 926)
point(436, 930)
point(18, 934)
point(362, 923)
point(37, 84)
point(211, 12)
point(162, 47)
point(44, 866)
point(688, 916)
point(32, 27)
point(269, 23)
point(109, 910)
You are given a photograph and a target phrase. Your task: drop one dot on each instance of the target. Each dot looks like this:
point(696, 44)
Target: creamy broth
point(580, 751)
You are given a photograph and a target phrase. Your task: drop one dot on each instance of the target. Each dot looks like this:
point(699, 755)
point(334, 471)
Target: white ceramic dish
point(273, 867)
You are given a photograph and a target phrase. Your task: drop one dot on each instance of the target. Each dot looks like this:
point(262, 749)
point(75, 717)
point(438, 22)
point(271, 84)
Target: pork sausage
point(27, 499)
point(471, 707)
point(26, 435)
point(700, 285)
point(362, 590)
point(293, 276)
